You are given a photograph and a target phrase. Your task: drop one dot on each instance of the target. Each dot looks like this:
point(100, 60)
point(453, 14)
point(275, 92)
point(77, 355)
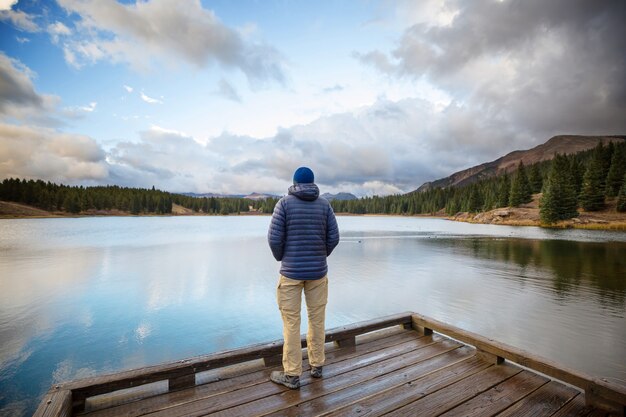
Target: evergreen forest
point(568, 182)
point(77, 199)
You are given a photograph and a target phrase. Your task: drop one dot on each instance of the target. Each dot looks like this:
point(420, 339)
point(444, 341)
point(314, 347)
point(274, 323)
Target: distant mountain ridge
point(260, 196)
point(562, 144)
point(339, 196)
point(253, 196)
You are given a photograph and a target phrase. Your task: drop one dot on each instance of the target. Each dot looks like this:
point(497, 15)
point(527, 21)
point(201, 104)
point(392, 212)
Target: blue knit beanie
point(303, 175)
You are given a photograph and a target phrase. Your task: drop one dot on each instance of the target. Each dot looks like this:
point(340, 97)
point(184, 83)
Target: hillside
point(339, 196)
point(16, 210)
point(563, 144)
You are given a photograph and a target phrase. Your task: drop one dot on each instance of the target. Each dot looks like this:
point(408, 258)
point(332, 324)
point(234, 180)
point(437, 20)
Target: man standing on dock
point(302, 234)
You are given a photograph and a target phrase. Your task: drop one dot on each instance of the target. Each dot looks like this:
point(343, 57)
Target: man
point(302, 233)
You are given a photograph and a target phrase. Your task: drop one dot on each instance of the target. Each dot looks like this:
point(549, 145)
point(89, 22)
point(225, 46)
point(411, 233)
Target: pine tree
point(520, 187)
point(135, 205)
point(592, 193)
point(577, 171)
point(615, 177)
point(559, 199)
point(621, 198)
point(503, 191)
point(607, 156)
point(535, 179)
point(72, 202)
point(475, 201)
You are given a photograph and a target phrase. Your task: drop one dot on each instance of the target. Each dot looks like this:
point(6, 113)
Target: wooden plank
point(271, 397)
point(594, 388)
point(101, 384)
point(125, 396)
point(221, 385)
point(56, 403)
point(345, 332)
point(500, 397)
point(544, 402)
point(322, 388)
point(576, 408)
point(349, 342)
point(181, 382)
point(443, 400)
point(333, 402)
point(391, 399)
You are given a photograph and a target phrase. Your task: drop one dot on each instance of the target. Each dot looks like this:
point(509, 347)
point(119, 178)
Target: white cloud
point(36, 152)
point(7, 4)
point(128, 88)
point(79, 112)
point(89, 108)
point(18, 18)
point(388, 147)
point(145, 34)
point(58, 29)
point(333, 89)
point(150, 100)
point(22, 40)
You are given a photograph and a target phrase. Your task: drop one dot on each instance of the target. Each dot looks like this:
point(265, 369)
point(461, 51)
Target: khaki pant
point(289, 295)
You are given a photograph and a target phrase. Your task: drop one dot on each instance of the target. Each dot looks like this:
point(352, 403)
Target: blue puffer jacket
point(303, 232)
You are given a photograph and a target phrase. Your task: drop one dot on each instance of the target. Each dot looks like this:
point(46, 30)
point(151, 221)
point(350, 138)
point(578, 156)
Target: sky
point(376, 97)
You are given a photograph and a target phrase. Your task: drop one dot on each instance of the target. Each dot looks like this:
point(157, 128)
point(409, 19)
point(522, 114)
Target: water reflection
point(597, 266)
point(80, 297)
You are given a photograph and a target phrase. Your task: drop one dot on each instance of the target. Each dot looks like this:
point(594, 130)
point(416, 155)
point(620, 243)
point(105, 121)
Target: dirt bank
point(528, 215)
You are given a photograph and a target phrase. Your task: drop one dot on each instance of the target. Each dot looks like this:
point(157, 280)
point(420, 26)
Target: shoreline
point(526, 215)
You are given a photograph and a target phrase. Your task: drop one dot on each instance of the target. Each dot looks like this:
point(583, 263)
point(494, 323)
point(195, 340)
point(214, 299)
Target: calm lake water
point(87, 296)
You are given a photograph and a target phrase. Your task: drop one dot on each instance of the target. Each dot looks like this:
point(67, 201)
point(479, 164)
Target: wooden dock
point(401, 365)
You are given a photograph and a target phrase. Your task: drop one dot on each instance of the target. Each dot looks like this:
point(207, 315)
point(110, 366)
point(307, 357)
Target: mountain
point(253, 196)
point(564, 144)
point(257, 196)
point(215, 195)
point(339, 196)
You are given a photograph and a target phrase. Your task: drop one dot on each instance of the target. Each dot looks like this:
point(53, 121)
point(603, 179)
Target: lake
point(87, 296)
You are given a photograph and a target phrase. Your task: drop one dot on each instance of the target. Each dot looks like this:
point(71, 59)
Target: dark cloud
point(539, 68)
point(16, 87)
point(18, 98)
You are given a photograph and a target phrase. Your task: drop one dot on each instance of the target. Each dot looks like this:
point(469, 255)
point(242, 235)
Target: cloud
point(18, 18)
point(89, 108)
point(128, 89)
point(22, 40)
point(37, 152)
point(79, 111)
point(380, 149)
point(18, 98)
point(227, 91)
point(150, 100)
point(539, 68)
point(58, 29)
point(145, 34)
point(335, 88)
point(7, 4)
